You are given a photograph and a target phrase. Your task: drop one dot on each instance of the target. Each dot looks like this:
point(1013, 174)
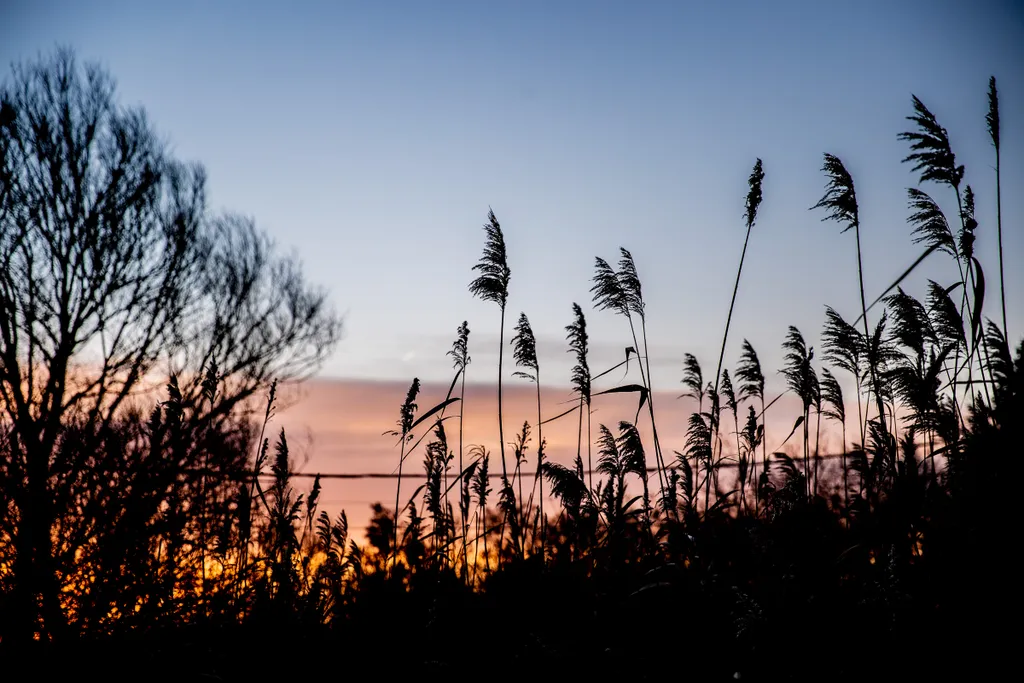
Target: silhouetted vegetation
point(160, 532)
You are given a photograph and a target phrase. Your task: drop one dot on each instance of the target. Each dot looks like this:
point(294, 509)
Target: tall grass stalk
point(482, 489)
point(750, 215)
point(840, 201)
point(620, 291)
point(407, 414)
point(835, 409)
point(817, 437)
point(932, 228)
point(578, 344)
point(803, 382)
point(969, 225)
point(630, 279)
point(733, 406)
point(492, 285)
point(752, 203)
point(263, 445)
point(693, 380)
point(461, 359)
point(992, 121)
point(751, 379)
point(932, 155)
point(524, 350)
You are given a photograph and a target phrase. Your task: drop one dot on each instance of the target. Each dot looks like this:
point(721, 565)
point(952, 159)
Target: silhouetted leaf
point(927, 252)
point(440, 406)
point(424, 435)
point(979, 302)
point(611, 369)
point(628, 388)
point(562, 414)
point(796, 425)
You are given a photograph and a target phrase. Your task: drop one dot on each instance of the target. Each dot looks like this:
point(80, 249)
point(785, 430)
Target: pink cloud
point(338, 425)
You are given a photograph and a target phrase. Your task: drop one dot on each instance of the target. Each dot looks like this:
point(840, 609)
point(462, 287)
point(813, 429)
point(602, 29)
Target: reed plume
point(576, 334)
point(750, 215)
point(524, 351)
point(840, 203)
point(492, 285)
point(992, 123)
point(407, 414)
point(835, 409)
point(751, 379)
point(460, 360)
point(802, 381)
point(621, 292)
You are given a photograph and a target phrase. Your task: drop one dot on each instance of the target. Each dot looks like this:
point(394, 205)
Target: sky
point(370, 139)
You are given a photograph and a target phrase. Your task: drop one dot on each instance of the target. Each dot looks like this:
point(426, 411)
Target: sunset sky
point(371, 138)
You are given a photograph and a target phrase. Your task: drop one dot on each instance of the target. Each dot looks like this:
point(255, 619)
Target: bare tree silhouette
point(115, 276)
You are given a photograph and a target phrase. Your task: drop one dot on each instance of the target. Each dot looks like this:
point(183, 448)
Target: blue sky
point(370, 138)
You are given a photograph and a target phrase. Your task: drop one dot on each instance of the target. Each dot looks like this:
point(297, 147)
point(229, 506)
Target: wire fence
point(490, 475)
